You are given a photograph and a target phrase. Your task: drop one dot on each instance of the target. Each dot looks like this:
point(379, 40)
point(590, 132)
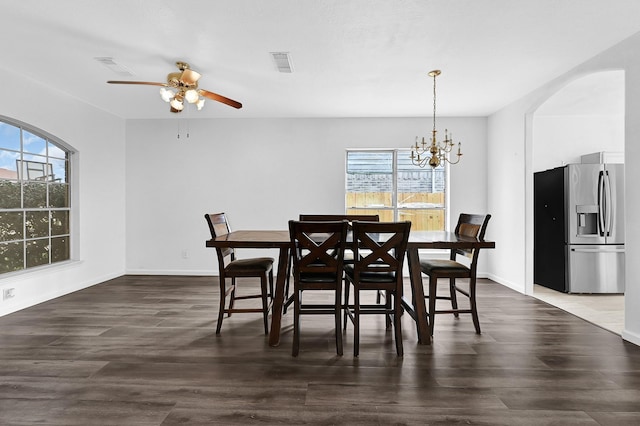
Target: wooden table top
point(280, 238)
point(252, 239)
point(445, 240)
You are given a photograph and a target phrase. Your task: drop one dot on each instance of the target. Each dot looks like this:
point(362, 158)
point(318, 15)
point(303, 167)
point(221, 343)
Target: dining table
point(280, 240)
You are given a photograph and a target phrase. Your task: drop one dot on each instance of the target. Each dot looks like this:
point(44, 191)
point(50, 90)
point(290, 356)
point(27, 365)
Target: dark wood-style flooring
point(142, 350)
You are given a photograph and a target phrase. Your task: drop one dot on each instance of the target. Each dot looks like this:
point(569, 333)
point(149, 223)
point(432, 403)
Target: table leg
point(415, 276)
point(278, 298)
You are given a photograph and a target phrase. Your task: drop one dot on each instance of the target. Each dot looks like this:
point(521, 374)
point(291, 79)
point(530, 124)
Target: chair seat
point(371, 277)
point(264, 264)
point(444, 266)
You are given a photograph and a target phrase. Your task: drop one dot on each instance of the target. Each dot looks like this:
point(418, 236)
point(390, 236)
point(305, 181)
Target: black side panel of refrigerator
point(549, 229)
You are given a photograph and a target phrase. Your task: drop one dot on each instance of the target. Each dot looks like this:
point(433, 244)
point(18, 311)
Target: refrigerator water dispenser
point(587, 220)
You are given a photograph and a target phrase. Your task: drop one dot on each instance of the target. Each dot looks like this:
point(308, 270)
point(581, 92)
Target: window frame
point(396, 152)
point(67, 159)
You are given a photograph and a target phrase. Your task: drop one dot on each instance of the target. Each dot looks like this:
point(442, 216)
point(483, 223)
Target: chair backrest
point(470, 225)
point(218, 226)
point(379, 247)
point(318, 249)
point(334, 217)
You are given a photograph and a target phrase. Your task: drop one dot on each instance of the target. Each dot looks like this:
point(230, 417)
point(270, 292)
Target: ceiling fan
point(183, 86)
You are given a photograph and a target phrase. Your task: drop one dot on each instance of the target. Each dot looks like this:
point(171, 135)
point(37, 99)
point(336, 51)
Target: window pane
point(423, 219)
point(35, 195)
point(11, 226)
point(58, 170)
point(55, 151)
point(37, 224)
point(385, 215)
point(35, 167)
point(37, 252)
point(9, 137)
point(413, 179)
point(59, 222)
point(34, 144)
point(8, 163)
point(11, 256)
point(369, 179)
point(58, 195)
point(59, 249)
point(9, 194)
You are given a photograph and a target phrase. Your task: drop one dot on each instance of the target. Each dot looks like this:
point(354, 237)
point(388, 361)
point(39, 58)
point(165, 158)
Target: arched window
point(35, 192)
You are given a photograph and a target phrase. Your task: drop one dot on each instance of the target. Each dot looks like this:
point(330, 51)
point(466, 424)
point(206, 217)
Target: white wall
point(99, 139)
point(585, 116)
point(261, 172)
point(560, 140)
point(510, 140)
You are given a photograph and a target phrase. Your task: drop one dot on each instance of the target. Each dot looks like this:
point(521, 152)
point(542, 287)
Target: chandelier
point(434, 153)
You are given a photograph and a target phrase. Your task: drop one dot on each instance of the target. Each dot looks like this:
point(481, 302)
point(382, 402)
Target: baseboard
point(44, 297)
point(193, 272)
point(514, 286)
point(631, 337)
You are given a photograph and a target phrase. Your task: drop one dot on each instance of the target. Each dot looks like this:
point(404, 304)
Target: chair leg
point(232, 296)
point(387, 305)
point(347, 286)
point(296, 322)
point(397, 322)
point(356, 321)
point(338, 317)
point(433, 288)
point(265, 302)
point(472, 301)
point(271, 292)
point(223, 297)
point(453, 295)
point(286, 285)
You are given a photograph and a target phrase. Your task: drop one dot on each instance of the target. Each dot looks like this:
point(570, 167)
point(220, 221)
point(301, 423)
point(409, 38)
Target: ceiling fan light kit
point(181, 86)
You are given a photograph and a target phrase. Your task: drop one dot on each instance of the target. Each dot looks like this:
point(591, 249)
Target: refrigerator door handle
point(598, 250)
point(608, 204)
point(601, 206)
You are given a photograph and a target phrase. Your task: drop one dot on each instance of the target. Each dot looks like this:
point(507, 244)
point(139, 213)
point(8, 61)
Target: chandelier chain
point(434, 102)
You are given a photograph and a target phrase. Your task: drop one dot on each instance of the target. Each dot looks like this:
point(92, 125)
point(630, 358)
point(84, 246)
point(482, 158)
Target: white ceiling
point(351, 58)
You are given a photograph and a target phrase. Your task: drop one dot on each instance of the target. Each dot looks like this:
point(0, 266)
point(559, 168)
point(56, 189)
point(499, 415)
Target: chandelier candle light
point(434, 153)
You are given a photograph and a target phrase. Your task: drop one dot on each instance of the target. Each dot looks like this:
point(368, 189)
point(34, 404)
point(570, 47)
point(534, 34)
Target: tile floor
point(604, 310)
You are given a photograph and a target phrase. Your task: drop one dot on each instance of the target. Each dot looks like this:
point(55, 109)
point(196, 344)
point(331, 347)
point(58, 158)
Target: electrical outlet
point(185, 254)
point(8, 293)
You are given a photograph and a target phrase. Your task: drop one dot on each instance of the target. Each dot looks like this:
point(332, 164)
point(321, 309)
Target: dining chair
point(231, 268)
point(469, 225)
point(379, 251)
point(318, 250)
point(348, 255)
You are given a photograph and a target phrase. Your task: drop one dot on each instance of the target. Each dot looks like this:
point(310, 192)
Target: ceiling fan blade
point(189, 77)
point(148, 83)
point(220, 98)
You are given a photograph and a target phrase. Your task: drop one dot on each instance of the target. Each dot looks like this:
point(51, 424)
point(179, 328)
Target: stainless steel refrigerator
point(579, 228)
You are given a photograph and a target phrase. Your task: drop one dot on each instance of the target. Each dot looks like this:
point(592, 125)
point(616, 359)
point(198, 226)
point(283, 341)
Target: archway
point(584, 116)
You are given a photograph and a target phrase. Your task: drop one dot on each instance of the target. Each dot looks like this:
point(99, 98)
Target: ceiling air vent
point(282, 61)
point(114, 66)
